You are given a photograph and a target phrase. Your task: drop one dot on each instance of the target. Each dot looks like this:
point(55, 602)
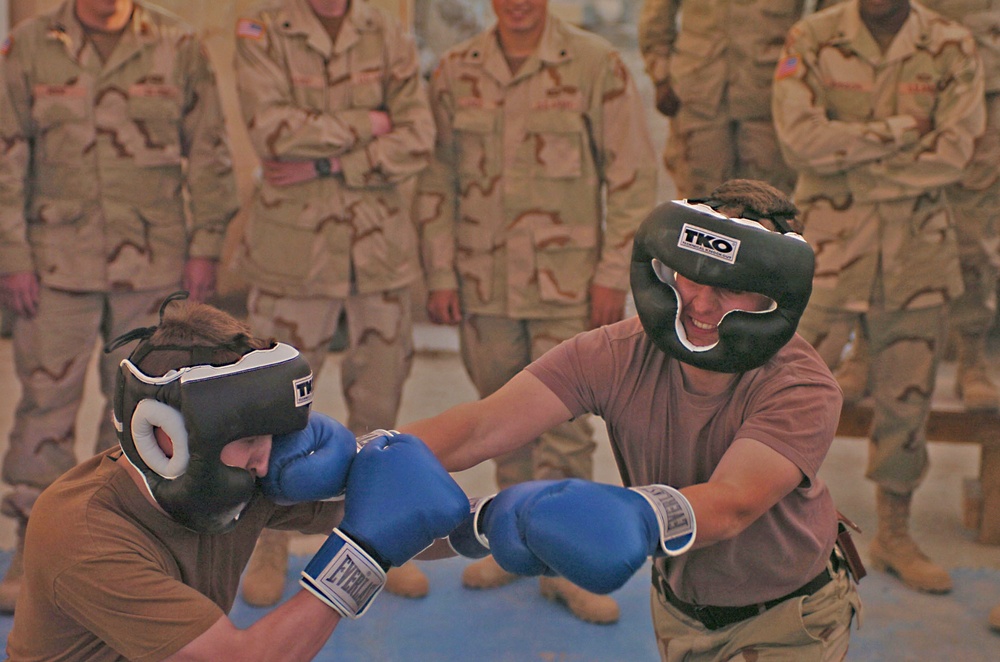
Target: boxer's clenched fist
point(595, 535)
point(399, 500)
point(311, 464)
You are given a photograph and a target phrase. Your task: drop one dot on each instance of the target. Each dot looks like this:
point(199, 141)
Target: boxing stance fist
point(399, 500)
point(311, 464)
point(593, 534)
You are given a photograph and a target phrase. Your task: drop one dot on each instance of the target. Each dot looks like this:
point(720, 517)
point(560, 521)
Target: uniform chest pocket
point(62, 115)
point(366, 89)
point(476, 143)
point(58, 104)
point(556, 141)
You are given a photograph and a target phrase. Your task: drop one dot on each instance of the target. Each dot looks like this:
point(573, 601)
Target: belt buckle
point(706, 615)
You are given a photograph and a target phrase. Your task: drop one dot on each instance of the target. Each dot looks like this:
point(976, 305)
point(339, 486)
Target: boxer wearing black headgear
point(694, 240)
point(235, 389)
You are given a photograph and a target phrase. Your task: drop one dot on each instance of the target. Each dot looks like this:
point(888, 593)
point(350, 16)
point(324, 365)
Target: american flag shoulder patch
point(5, 46)
point(249, 29)
point(788, 66)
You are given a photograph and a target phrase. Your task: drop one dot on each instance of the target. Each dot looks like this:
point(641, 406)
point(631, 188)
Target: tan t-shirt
point(109, 577)
point(660, 433)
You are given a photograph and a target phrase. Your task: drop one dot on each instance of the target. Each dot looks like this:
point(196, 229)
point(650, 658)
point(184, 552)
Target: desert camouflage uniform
point(871, 193)
point(719, 62)
point(512, 211)
point(975, 199)
point(93, 163)
point(345, 242)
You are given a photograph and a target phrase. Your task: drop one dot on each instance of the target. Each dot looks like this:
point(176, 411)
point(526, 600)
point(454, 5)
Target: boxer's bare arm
point(296, 630)
point(747, 482)
point(469, 433)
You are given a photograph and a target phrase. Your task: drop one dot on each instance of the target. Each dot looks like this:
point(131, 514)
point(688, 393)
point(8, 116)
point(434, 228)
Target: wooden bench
point(950, 422)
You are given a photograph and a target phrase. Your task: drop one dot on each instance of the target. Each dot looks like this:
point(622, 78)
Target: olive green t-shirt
point(110, 577)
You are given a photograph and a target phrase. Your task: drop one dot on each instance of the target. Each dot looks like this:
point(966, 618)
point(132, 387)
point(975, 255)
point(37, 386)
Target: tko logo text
point(700, 240)
point(303, 390)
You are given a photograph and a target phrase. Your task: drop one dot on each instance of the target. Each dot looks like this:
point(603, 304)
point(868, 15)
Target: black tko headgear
point(202, 408)
point(709, 248)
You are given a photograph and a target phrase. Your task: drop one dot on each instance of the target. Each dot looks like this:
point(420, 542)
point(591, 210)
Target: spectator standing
point(712, 64)
point(338, 114)
point(878, 105)
point(543, 173)
point(110, 119)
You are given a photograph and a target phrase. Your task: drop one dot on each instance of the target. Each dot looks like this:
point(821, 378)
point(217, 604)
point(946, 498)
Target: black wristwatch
point(322, 167)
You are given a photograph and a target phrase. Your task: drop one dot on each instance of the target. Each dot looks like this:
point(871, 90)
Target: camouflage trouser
point(494, 349)
point(51, 354)
point(975, 203)
point(815, 628)
point(700, 155)
point(379, 356)
point(904, 346)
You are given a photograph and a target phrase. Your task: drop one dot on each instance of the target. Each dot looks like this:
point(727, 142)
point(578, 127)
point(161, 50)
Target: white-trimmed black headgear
point(202, 408)
point(694, 240)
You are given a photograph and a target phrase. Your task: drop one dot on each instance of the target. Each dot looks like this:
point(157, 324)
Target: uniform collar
point(297, 18)
point(141, 31)
point(914, 33)
point(554, 48)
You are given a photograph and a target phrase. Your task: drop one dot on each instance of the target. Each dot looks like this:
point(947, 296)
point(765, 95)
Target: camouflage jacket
point(847, 119)
point(722, 50)
point(304, 97)
point(846, 115)
point(982, 18)
point(515, 200)
point(95, 154)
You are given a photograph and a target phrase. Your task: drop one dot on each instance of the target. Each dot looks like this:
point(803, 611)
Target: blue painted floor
point(515, 624)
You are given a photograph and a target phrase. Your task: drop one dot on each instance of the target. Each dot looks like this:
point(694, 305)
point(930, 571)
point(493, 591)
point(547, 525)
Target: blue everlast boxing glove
point(311, 464)
point(598, 535)
point(502, 524)
point(399, 500)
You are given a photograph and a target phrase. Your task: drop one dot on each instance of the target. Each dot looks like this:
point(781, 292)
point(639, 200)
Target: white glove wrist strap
point(349, 581)
point(674, 515)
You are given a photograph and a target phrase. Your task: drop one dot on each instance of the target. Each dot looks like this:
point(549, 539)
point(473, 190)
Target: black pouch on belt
point(847, 549)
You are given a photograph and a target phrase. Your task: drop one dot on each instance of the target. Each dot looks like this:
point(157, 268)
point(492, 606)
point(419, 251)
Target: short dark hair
point(755, 200)
point(187, 326)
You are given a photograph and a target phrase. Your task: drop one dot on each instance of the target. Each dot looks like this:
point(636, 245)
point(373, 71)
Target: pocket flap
point(561, 237)
point(554, 121)
point(475, 120)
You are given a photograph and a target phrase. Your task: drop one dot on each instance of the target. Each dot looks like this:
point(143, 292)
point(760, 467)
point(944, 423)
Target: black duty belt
point(715, 618)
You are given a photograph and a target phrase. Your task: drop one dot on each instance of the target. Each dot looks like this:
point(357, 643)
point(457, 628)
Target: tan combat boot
point(10, 586)
point(264, 581)
point(587, 606)
point(894, 551)
point(972, 383)
point(852, 373)
point(994, 619)
point(407, 581)
point(485, 573)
